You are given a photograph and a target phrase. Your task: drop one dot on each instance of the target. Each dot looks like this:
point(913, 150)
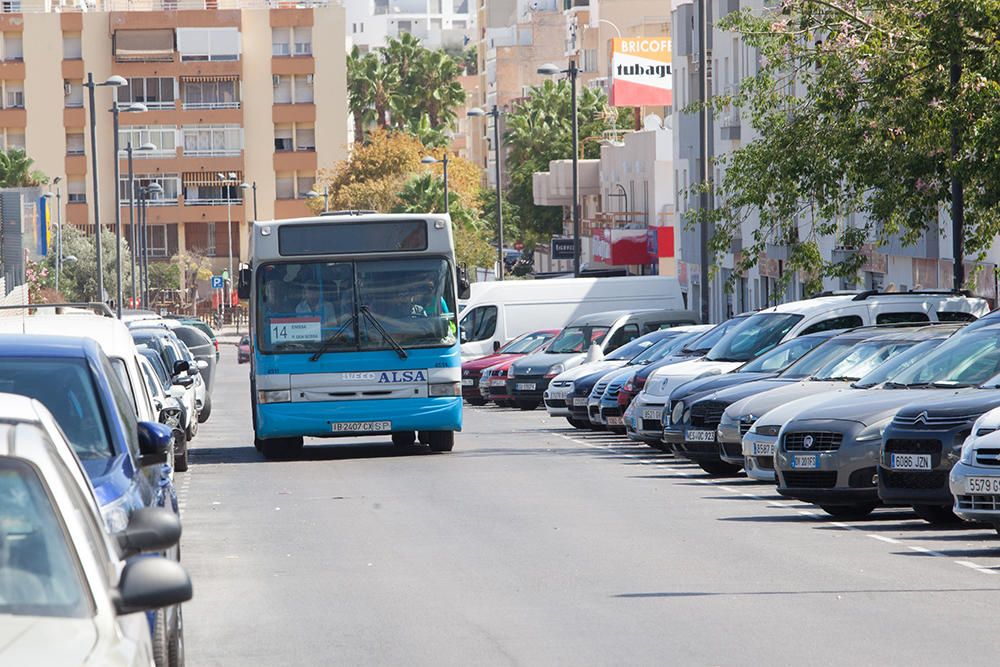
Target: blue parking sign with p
point(217, 282)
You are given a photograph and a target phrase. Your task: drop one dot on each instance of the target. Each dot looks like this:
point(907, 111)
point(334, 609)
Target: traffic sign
point(218, 282)
point(562, 248)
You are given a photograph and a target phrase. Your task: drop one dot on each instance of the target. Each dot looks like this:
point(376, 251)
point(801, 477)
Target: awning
point(210, 178)
point(209, 79)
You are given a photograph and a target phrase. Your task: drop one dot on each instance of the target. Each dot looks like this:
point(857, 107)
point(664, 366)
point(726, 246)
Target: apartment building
point(234, 92)
point(447, 24)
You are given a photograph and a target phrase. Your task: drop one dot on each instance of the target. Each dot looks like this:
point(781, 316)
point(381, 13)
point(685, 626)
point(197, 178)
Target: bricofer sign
point(641, 73)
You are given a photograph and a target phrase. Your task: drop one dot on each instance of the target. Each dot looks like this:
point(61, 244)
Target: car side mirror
point(151, 583)
point(243, 284)
point(149, 530)
point(496, 346)
point(158, 404)
point(464, 288)
point(181, 366)
point(155, 441)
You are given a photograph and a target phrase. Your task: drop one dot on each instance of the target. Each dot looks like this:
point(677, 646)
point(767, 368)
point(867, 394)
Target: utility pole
point(706, 194)
point(957, 187)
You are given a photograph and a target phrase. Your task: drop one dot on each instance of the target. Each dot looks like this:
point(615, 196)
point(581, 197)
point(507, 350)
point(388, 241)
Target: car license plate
point(525, 386)
point(468, 382)
point(580, 401)
point(652, 413)
point(497, 383)
point(361, 427)
point(700, 436)
point(557, 394)
point(910, 462)
point(615, 421)
point(987, 485)
point(810, 461)
point(763, 449)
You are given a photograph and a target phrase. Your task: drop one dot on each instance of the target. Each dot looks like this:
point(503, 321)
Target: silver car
point(975, 479)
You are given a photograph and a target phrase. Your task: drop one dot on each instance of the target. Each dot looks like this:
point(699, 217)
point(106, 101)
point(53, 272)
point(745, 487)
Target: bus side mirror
point(243, 287)
point(464, 288)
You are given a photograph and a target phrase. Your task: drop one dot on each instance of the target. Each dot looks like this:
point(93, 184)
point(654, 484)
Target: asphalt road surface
point(535, 544)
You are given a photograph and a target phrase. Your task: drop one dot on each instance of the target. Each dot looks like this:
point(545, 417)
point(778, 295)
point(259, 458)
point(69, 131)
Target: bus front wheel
point(277, 449)
point(441, 441)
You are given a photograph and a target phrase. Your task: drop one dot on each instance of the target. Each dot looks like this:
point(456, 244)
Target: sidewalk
point(227, 335)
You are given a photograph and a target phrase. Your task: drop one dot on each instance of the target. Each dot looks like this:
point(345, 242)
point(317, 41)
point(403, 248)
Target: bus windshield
point(351, 306)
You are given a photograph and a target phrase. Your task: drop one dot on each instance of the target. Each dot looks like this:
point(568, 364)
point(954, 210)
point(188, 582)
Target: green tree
point(16, 171)
point(856, 117)
point(539, 130)
point(78, 278)
point(164, 275)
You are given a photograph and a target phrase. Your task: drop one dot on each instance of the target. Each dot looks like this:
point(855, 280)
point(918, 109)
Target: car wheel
point(527, 405)
point(280, 449)
point(161, 653)
point(176, 648)
point(206, 410)
point(719, 468)
point(578, 423)
point(476, 401)
point(404, 438)
point(441, 441)
point(849, 511)
point(936, 514)
point(617, 430)
point(180, 452)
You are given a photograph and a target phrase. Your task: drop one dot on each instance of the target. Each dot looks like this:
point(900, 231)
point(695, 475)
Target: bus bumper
point(289, 420)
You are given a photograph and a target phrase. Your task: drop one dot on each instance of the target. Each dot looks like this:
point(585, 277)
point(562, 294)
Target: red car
point(243, 350)
point(515, 349)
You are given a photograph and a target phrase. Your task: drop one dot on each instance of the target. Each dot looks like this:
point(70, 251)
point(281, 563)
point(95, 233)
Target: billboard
point(641, 73)
point(620, 247)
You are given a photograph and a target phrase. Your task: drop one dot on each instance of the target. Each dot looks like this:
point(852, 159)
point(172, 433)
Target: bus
point(353, 330)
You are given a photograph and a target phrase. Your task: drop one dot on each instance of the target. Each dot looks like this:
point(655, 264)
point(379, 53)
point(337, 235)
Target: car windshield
point(38, 576)
point(526, 343)
point(706, 341)
point(66, 388)
point(783, 356)
point(577, 339)
point(964, 361)
point(862, 359)
point(350, 306)
point(753, 337)
point(636, 347)
point(663, 348)
point(898, 364)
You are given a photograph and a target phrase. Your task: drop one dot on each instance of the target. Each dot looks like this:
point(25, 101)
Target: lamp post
point(132, 205)
point(228, 179)
point(114, 82)
point(254, 186)
point(495, 114)
point(243, 187)
point(116, 109)
point(429, 159)
point(58, 197)
point(312, 194)
point(571, 72)
point(145, 192)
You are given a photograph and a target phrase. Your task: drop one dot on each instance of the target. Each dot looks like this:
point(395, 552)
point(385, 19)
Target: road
point(534, 544)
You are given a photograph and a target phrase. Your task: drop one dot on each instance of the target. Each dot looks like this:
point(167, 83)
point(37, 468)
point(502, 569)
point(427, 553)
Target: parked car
point(169, 404)
point(168, 348)
point(201, 326)
point(472, 370)
point(65, 595)
point(243, 350)
point(975, 480)
point(202, 349)
point(528, 378)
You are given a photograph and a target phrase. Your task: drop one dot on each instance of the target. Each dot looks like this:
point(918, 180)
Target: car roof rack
point(97, 307)
point(349, 211)
point(927, 292)
point(835, 292)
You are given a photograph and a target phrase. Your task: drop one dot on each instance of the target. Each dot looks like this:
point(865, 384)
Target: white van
point(500, 311)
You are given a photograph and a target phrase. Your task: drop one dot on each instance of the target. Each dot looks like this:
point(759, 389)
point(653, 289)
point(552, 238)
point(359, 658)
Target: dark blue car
point(125, 459)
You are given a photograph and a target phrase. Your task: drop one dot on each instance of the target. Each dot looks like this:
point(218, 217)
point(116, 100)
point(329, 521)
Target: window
point(211, 94)
point(283, 138)
point(305, 183)
point(282, 88)
point(284, 185)
point(627, 333)
point(157, 240)
point(73, 92)
point(953, 316)
point(153, 91)
point(144, 45)
point(14, 95)
point(15, 140)
point(210, 244)
point(205, 189)
point(164, 137)
point(76, 188)
point(303, 88)
point(479, 324)
point(589, 60)
point(74, 143)
point(212, 140)
point(305, 138)
point(303, 41)
point(280, 38)
point(901, 318)
point(13, 46)
point(72, 46)
point(169, 182)
point(845, 322)
point(208, 43)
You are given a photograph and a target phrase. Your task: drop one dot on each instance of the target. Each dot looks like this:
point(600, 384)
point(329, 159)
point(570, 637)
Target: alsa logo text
point(388, 377)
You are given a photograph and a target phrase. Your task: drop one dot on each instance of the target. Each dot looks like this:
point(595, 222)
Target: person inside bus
point(276, 290)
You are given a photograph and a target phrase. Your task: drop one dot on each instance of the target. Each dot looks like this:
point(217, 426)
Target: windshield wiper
point(328, 343)
point(725, 359)
point(385, 334)
point(836, 378)
point(947, 384)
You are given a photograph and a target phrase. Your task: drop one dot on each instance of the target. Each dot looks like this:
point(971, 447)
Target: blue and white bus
point(353, 330)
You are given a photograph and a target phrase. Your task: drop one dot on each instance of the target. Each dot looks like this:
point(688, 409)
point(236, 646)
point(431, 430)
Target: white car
point(66, 596)
point(975, 479)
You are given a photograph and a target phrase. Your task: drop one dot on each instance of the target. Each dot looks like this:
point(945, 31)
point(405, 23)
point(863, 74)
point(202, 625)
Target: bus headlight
point(444, 389)
point(279, 396)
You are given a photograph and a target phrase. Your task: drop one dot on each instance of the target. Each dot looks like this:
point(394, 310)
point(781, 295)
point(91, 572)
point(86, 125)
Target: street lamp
point(58, 197)
point(132, 204)
point(114, 82)
point(228, 180)
point(571, 71)
point(145, 192)
point(495, 114)
point(254, 186)
point(430, 159)
point(312, 194)
point(116, 109)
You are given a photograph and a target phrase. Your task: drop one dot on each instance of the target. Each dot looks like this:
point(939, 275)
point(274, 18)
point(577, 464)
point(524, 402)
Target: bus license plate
point(361, 427)
point(700, 436)
point(910, 462)
point(525, 386)
point(807, 462)
point(985, 485)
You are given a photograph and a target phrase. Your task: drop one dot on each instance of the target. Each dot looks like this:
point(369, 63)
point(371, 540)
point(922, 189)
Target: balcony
point(190, 106)
point(234, 201)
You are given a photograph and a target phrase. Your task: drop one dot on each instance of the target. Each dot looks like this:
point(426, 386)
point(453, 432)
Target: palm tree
point(16, 171)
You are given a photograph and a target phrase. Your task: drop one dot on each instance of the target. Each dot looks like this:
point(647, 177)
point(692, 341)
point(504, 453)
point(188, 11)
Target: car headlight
point(687, 416)
point(555, 370)
point(115, 515)
point(512, 372)
point(873, 432)
point(677, 414)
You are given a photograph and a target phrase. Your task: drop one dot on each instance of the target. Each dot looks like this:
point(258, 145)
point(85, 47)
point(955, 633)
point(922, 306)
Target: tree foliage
point(539, 129)
point(78, 277)
point(373, 174)
point(855, 116)
point(16, 171)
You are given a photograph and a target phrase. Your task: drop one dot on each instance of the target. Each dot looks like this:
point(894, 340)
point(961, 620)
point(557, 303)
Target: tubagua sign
point(641, 73)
